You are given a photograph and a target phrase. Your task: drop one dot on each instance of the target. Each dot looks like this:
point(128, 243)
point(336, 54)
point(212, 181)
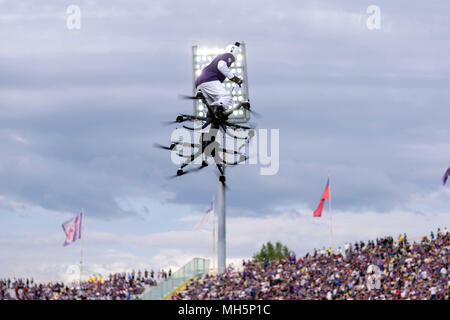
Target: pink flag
point(325, 195)
point(72, 229)
point(318, 211)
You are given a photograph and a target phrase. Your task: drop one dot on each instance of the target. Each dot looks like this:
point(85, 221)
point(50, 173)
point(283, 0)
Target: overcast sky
point(81, 109)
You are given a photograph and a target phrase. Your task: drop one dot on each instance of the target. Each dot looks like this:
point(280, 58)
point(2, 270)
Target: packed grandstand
point(118, 286)
point(375, 270)
point(383, 269)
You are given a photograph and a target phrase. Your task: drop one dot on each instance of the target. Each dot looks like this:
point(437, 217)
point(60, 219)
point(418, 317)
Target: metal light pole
point(221, 239)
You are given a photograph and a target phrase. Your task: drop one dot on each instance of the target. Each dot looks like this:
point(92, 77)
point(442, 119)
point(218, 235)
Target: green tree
point(272, 252)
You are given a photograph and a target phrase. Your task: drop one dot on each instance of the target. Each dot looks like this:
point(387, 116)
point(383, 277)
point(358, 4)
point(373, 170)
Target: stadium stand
point(119, 286)
point(383, 269)
point(375, 270)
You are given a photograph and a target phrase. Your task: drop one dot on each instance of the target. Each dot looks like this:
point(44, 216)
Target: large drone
point(218, 119)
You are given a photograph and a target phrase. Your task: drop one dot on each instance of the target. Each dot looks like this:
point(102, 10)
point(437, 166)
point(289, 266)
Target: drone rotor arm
point(193, 129)
point(188, 117)
point(231, 151)
point(233, 125)
point(207, 123)
point(192, 158)
point(219, 167)
point(230, 111)
point(241, 159)
point(232, 135)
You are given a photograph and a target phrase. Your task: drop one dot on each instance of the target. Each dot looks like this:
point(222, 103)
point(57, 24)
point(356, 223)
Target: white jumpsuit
point(214, 91)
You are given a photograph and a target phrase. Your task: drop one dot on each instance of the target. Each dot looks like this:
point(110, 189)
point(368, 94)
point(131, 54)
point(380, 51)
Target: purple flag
point(445, 177)
point(206, 218)
point(72, 229)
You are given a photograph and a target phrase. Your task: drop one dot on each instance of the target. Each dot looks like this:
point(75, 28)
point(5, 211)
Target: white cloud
point(435, 201)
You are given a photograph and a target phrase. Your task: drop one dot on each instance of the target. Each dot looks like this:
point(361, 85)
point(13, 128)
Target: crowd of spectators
point(375, 270)
point(383, 269)
point(118, 286)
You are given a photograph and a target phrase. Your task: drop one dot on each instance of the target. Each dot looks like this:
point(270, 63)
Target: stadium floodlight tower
point(210, 119)
point(201, 57)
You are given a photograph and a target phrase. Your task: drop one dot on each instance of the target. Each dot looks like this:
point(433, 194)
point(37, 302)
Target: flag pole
point(81, 244)
point(329, 209)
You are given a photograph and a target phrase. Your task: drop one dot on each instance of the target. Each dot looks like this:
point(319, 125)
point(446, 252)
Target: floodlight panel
point(201, 57)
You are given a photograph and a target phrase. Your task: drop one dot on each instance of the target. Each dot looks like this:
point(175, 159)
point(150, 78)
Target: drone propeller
point(198, 96)
point(188, 97)
point(160, 146)
point(179, 119)
point(246, 106)
point(256, 114)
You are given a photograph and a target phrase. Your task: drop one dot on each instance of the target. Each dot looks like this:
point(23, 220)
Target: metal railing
point(194, 268)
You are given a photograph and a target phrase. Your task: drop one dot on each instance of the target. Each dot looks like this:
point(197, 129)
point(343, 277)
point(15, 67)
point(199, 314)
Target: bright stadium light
point(201, 57)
